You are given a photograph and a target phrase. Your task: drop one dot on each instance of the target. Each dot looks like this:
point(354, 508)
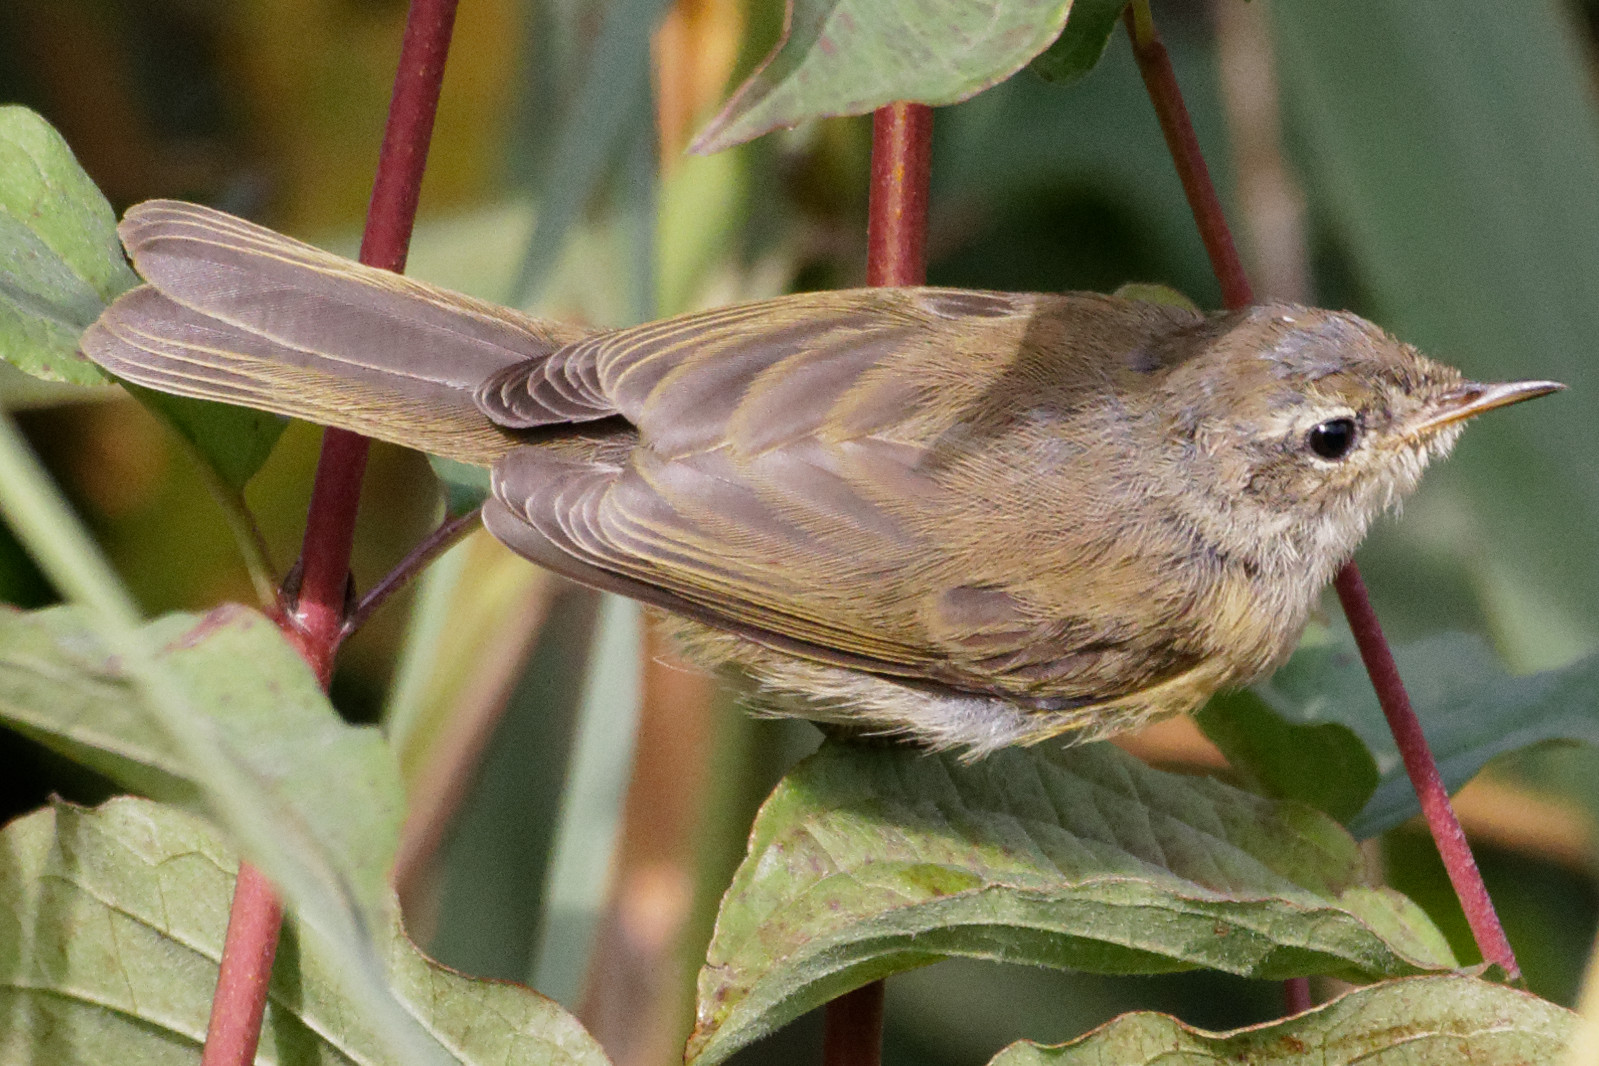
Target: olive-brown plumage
point(977, 518)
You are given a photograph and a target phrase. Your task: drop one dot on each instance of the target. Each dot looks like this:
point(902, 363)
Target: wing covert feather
point(788, 484)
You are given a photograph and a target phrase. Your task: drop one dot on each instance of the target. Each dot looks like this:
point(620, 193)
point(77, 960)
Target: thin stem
point(896, 254)
point(896, 223)
point(1164, 92)
point(852, 1031)
point(434, 545)
point(1154, 64)
point(316, 618)
point(1296, 996)
point(316, 625)
point(242, 982)
point(1423, 771)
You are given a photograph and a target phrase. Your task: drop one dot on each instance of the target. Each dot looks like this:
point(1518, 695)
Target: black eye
point(1333, 438)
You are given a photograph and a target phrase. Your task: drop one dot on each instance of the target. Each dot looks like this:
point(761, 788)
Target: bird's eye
point(1332, 439)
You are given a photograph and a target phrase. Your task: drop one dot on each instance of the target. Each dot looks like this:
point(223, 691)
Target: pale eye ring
point(1333, 439)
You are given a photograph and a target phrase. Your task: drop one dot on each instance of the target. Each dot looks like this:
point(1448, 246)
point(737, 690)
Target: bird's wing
point(792, 480)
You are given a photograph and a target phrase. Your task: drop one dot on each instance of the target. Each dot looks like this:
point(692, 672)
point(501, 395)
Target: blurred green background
point(1432, 165)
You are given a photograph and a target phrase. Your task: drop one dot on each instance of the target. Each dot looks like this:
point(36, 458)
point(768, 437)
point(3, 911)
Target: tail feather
point(237, 313)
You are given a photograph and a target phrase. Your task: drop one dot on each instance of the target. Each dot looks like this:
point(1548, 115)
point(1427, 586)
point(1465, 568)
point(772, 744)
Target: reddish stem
point(896, 254)
point(1296, 996)
point(852, 1029)
point(1423, 771)
point(245, 972)
point(896, 219)
point(1155, 66)
point(1161, 82)
point(435, 544)
point(316, 622)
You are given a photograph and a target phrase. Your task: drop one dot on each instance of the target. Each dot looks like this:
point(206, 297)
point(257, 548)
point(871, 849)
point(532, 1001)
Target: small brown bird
point(975, 518)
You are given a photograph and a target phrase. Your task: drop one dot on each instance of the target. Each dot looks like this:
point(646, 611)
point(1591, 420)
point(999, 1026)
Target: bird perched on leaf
point(975, 518)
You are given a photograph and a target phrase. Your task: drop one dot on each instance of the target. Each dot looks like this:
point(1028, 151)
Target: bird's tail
point(235, 312)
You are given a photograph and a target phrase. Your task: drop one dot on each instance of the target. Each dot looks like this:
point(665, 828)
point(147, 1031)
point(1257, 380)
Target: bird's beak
point(1472, 399)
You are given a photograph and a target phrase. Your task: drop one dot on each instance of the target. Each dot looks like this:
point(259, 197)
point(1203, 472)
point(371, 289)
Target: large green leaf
point(60, 262)
point(1421, 1021)
point(1470, 709)
point(1453, 146)
point(329, 789)
point(867, 861)
point(221, 711)
point(847, 57)
point(1324, 764)
point(111, 924)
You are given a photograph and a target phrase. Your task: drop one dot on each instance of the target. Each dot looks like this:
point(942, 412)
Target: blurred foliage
point(1447, 157)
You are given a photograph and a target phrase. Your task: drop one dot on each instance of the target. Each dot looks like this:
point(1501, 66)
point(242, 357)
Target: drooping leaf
point(1079, 47)
point(111, 923)
point(1419, 1021)
point(332, 783)
point(847, 57)
point(221, 712)
point(1324, 764)
point(867, 861)
point(60, 262)
point(1469, 707)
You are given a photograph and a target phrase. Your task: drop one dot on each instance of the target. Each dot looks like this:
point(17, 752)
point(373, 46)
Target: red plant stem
point(330, 524)
point(435, 544)
point(1423, 771)
point(246, 970)
point(896, 254)
point(852, 1029)
point(1160, 80)
point(896, 219)
point(316, 622)
point(1296, 996)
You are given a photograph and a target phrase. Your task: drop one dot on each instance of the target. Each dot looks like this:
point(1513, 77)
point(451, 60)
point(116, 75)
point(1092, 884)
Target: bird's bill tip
point(1473, 398)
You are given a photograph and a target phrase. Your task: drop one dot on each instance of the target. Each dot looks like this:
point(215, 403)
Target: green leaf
point(1323, 764)
point(847, 57)
point(869, 861)
point(111, 924)
point(1078, 49)
point(1450, 147)
point(60, 262)
point(1421, 1021)
point(235, 441)
point(333, 786)
point(1469, 707)
point(465, 486)
point(606, 114)
point(222, 711)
